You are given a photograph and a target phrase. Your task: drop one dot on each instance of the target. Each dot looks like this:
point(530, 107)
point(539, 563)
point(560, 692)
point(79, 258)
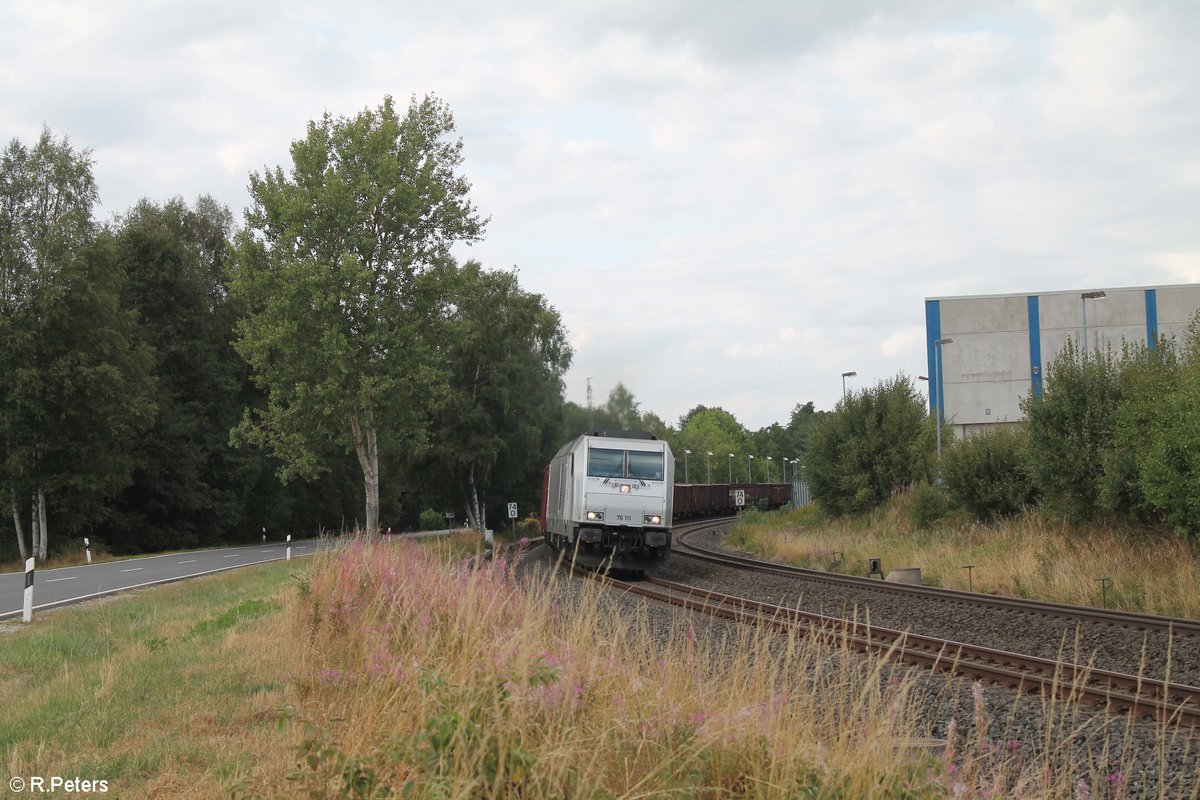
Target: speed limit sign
point(512, 510)
point(739, 497)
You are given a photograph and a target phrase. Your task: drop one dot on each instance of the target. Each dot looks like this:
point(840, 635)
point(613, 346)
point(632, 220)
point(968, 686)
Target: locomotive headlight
point(652, 519)
point(624, 488)
point(594, 516)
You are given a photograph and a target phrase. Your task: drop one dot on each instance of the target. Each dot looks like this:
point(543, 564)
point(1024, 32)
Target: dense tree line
point(704, 430)
point(143, 361)
point(172, 379)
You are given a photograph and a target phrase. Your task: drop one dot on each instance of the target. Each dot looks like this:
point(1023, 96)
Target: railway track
point(1138, 695)
point(1133, 622)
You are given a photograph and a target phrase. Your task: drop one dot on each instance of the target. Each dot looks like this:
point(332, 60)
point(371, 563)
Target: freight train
point(608, 500)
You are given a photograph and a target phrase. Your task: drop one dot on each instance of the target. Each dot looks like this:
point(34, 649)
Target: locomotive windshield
point(647, 466)
point(604, 463)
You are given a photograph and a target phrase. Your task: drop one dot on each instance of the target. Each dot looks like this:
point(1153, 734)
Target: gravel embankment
point(1143, 761)
point(1153, 655)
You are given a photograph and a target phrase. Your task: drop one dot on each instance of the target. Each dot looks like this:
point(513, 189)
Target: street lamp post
point(844, 376)
point(769, 459)
point(731, 469)
point(708, 462)
point(1083, 298)
point(686, 453)
point(937, 379)
point(749, 474)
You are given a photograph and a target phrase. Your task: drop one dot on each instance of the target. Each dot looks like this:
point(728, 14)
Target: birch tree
point(73, 384)
point(505, 352)
point(328, 265)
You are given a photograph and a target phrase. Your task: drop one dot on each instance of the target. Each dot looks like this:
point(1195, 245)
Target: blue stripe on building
point(1035, 346)
point(1152, 318)
point(933, 332)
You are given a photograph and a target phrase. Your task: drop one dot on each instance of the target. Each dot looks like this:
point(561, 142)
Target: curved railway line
point(1139, 695)
point(1130, 621)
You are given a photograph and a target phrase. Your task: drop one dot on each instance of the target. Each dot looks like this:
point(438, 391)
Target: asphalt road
point(56, 587)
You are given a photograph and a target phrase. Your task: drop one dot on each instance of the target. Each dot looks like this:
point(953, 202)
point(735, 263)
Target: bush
point(877, 442)
point(530, 527)
point(988, 474)
point(1070, 427)
point(1145, 419)
point(929, 504)
point(432, 520)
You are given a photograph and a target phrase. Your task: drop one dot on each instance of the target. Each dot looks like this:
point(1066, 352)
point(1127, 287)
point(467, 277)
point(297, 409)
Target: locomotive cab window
point(647, 466)
point(606, 463)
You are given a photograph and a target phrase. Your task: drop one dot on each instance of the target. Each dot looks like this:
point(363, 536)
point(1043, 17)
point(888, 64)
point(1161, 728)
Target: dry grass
point(1033, 555)
point(402, 670)
point(418, 677)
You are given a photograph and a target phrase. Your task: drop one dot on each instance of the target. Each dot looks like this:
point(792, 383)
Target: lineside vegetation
point(393, 669)
point(1034, 554)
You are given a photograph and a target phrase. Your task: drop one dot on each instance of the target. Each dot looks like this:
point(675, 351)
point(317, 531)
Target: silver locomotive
point(607, 500)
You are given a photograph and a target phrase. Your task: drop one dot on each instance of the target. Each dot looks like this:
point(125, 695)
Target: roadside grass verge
point(1032, 555)
point(166, 692)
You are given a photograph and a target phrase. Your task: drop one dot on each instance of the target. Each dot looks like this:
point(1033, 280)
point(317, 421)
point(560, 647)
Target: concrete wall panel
point(1176, 305)
point(984, 315)
point(1002, 356)
point(985, 402)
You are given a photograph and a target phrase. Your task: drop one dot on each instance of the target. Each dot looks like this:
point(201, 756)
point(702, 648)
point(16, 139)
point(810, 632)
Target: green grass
point(150, 691)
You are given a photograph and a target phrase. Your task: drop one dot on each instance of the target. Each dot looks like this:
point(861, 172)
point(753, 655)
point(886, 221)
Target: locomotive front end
point(619, 497)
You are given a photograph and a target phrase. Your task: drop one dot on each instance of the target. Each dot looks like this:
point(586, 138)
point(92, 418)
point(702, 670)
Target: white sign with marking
point(512, 510)
point(739, 497)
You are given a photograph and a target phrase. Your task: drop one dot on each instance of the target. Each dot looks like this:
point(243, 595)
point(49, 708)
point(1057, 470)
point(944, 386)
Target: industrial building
point(988, 352)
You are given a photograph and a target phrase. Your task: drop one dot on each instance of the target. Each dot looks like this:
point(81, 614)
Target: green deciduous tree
point(328, 265)
point(1070, 426)
point(1151, 469)
point(505, 352)
point(187, 483)
point(715, 430)
point(876, 442)
point(74, 382)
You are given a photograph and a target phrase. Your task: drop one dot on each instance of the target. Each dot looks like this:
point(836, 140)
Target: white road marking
point(266, 551)
point(193, 561)
point(132, 569)
point(102, 591)
point(52, 580)
point(235, 555)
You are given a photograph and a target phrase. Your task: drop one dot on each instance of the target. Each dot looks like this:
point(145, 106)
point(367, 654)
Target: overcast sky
point(729, 203)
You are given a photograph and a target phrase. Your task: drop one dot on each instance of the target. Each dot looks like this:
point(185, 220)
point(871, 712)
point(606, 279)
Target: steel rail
point(1128, 620)
point(1144, 697)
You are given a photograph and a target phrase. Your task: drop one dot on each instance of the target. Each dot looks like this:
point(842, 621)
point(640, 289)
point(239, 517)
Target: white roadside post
point(27, 614)
point(264, 535)
point(87, 548)
point(289, 547)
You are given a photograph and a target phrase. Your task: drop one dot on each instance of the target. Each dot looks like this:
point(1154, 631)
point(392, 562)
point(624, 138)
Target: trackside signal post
point(739, 499)
point(512, 514)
